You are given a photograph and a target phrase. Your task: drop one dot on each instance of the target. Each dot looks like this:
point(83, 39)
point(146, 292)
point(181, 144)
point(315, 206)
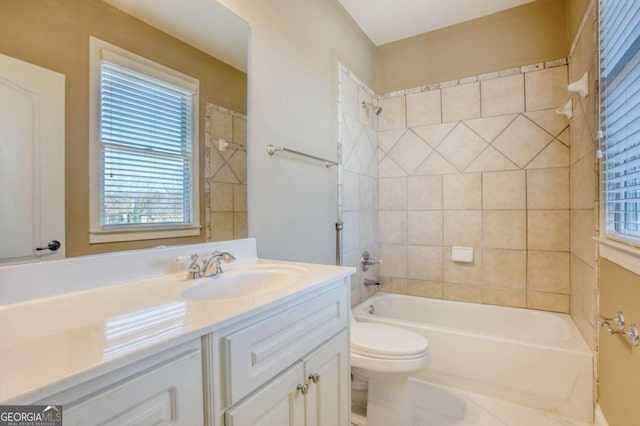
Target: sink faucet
point(196, 271)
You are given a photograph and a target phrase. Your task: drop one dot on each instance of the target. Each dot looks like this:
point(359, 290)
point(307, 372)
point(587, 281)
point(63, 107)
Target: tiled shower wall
point(357, 180)
point(583, 186)
point(225, 175)
point(480, 162)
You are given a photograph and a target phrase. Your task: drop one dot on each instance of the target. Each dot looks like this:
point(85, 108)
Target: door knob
point(53, 245)
point(315, 377)
point(303, 388)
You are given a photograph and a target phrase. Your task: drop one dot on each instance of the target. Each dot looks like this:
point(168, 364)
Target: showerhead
point(376, 109)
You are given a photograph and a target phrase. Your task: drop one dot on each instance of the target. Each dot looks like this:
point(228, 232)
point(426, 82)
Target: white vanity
point(125, 339)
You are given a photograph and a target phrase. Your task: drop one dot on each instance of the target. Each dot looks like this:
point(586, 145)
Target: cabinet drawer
point(170, 394)
point(254, 355)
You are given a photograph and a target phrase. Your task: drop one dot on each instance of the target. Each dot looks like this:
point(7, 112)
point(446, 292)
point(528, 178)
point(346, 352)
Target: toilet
point(386, 356)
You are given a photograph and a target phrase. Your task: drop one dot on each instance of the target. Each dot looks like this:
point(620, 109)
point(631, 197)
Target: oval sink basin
point(242, 283)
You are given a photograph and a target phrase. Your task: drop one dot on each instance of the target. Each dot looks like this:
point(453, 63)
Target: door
point(279, 403)
point(31, 162)
point(327, 372)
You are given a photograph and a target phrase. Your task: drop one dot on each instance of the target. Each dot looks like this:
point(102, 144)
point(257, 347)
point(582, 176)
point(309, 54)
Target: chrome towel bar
point(271, 150)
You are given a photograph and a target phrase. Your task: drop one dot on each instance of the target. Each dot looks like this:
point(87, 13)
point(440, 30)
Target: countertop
point(48, 345)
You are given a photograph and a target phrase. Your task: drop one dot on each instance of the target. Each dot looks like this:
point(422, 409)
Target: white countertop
point(50, 344)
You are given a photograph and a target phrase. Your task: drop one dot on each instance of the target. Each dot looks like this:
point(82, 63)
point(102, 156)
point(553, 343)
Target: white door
point(31, 162)
point(279, 403)
point(327, 372)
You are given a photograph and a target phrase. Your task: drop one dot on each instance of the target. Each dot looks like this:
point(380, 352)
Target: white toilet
point(387, 356)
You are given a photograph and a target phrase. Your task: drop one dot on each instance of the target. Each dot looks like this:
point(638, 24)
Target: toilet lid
point(385, 341)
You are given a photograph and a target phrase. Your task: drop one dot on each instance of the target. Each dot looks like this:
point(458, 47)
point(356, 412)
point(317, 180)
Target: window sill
point(625, 255)
point(113, 236)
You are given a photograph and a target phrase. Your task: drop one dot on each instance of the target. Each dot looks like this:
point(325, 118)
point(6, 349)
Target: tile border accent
point(476, 78)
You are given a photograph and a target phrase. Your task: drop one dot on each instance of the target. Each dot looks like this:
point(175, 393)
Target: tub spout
point(369, 283)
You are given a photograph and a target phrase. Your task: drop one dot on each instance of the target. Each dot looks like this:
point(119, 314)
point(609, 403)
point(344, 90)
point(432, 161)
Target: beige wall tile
point(425, 192)
point(349, 96)
point(394, 260)
point(556, 154)
point(582, 233)
point(522, 140)
point(221, 197)
point(221, 226)
point(548, 302)
point(425, 263)
point(490, 127)
point(240, 197)
point(549, 120)
point(503, 95)
point(368, 193)
point(504, 268)
point(410, 151)
point(463, 228)
point(504, 229)
point(350, 191)
point(425, 227)
point(548, 271)
point(548, 188)
point(584, 191)
point(461, 147)
point(394, 285)
point(548, 230)
point(504, 297)
point(394, 116)
point(240, 130)
point(462, 191)
point(463, 273)
point(221, 125)
point(434, 134)
point(351, 231)
point(393, 227)
point(545, 88)
point(461, 102)
point(387, 139)
point(240, 228)
point(423, 108)
point(504, 190)
point(462, 293)
point(424, 288)
point(392, 193)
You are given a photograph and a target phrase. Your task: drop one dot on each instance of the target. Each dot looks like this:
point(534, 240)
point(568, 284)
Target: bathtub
point(528, 357)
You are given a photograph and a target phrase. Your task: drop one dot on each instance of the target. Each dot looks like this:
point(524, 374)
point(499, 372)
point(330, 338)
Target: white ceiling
point(204, 24)
point(385, 21)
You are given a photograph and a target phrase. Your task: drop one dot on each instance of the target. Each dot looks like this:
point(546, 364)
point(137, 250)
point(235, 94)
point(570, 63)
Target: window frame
point(99, 50)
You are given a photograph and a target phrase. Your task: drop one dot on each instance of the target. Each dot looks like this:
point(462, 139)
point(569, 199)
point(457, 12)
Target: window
point(144, 148)
point(620, 117)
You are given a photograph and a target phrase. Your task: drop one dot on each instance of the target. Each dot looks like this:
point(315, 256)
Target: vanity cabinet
point(289, 367)
point(162, 390)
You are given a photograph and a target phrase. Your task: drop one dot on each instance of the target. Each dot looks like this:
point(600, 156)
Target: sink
point(244, 283)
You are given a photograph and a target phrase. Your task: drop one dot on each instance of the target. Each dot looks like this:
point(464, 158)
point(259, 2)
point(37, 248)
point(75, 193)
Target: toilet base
point(389, 402)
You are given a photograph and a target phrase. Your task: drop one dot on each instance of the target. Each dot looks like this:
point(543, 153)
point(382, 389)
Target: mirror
point(199, 38)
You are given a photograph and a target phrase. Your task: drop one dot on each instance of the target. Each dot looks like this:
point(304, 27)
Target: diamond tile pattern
point(461, 147)
point(462, 161)
point(522, 140)
point(409, 152)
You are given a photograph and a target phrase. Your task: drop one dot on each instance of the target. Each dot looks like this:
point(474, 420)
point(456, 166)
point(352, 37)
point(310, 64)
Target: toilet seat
point(386, 342)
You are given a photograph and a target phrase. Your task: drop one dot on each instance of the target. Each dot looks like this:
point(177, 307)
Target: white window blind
point(146, 149)
point(620, 117)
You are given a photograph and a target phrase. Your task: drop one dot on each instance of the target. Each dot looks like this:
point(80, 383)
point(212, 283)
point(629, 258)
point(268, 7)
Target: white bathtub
point(534, 358)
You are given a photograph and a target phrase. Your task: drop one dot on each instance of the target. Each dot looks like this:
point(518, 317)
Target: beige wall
point(618, 385)
point(55, 34)
point(295, 47)
point(575, 12)
point(485, 165)
point(532, 33)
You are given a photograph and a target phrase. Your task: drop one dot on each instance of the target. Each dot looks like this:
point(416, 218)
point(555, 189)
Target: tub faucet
point(196, 271)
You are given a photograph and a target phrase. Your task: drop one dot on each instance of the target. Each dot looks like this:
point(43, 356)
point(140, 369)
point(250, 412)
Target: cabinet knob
point(303, 388)
point(315, 378)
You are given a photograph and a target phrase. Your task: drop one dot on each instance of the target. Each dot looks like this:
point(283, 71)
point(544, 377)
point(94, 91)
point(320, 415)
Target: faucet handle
point(194, 269)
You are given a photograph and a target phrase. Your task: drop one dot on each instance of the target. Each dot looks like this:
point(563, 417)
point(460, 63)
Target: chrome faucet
point(196, 271)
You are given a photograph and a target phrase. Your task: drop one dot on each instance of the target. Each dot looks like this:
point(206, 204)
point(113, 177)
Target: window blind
point(145, 149)
point(620, 116)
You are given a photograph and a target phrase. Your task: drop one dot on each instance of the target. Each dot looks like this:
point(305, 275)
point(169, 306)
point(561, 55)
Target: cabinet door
point(327, 402)
point(170, 394)
point(279, 403)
